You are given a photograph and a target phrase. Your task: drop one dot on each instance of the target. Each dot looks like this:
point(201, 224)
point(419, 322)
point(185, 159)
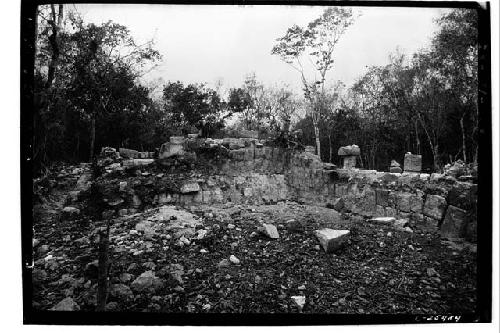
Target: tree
point(316, 43)
point(193, 107)
point(105, 63)
point(454, 53)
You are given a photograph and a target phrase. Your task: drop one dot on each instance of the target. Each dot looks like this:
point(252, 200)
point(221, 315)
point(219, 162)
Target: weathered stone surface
point(352, 150)
point(269, 230)
point(395, 164)
point(332, 240)
point(454, 223)
point(300, 301)
point(434, 206)
point(384, 220)
point(121, 292)
point(234, 260)
point(137, 162)
point(417, 202)
point(349, 162)
point(404, 201)
point(67, 304)
point(190, 188)
point(395, 170)
point(463, 195)
point(310, 149)
point(128, 153)
point(70, 211)
point(147, 281)
point(382, 197)
point(413, 162)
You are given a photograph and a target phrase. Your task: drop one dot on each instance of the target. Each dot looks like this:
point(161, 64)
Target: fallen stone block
point(128, 153)
point(67, 304)
point(190, 188)
point(137, 162)
point(70, 211)
point(332, 240)
point(269, 230)
point(384, 220)
point(147, 281)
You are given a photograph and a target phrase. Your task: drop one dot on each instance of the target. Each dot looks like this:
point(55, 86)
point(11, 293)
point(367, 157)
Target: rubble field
point(240, 258)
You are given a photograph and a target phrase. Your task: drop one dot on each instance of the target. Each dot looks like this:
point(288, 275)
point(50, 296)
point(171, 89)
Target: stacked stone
point(310, 149)
point(173, 148)
point(349, 153)
point(395, 167)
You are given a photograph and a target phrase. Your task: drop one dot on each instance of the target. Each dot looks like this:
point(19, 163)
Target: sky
point(202, 44)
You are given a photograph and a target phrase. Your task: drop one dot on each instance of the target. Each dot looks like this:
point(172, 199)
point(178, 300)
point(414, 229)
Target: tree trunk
point(464, 149)
point(417, 138)
point(435, 153)
point(56, 26)
point(330, 148)
point(92, 137)
point(316, 135)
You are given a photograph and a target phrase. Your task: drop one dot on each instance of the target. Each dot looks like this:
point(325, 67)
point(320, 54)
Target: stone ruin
point(349, 155)
point(248, 170)
point(412, 162)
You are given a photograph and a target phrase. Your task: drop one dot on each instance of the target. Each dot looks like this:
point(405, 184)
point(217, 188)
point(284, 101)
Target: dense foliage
point(90, 92)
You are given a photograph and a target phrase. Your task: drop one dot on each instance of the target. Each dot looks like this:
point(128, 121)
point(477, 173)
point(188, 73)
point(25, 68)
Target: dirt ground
point(158, 268)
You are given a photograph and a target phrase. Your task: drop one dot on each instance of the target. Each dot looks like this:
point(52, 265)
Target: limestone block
point(383, 220)
point(137, 162)
point(395, 170)
point(310, 149)
point(379, 211)
point(190, 187)
point(352, 150)
point(332, 240)
point(349, 162)
point(207, 196)
point(269, 230)
point(454, 222)
point(434, 206)
point(413, 162)
point(404, 201)
point(417, 202)
point(389, 211)
point(128, 153)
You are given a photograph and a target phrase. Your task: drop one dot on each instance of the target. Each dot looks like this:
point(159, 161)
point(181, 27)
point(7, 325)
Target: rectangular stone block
point(413, 163)
point(207, 196)
point(349, 162)
point(332, 240)
point(434, 206)
point(404, 201)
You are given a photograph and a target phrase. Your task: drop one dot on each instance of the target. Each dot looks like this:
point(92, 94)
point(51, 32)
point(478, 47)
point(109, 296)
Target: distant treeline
point(90, 93)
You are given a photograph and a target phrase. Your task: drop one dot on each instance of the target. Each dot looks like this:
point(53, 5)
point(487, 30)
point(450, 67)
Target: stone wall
point(430, 202)
point(262, 174)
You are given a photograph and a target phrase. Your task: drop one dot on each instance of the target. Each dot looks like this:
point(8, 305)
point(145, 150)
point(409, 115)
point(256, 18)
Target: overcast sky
point(205, 43)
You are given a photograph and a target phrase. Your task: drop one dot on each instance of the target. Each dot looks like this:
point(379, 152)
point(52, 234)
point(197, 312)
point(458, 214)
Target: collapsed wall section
point(250, 173)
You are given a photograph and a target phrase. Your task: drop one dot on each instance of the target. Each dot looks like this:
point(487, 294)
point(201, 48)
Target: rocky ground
point(219, 259)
